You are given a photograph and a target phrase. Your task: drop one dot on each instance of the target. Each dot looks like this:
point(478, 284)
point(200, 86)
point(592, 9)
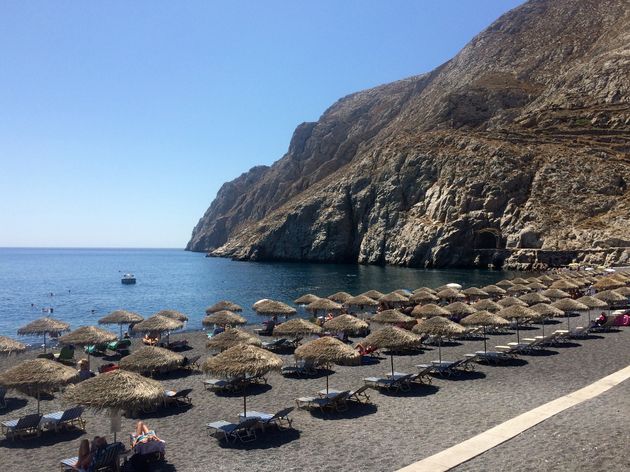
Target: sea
point(83, 285)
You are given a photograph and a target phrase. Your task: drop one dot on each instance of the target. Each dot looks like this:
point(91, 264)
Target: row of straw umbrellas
point(127, 390)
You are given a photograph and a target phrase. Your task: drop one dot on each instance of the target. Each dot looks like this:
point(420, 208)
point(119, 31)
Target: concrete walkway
point(466, 450)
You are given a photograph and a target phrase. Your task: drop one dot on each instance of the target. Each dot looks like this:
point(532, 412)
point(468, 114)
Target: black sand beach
point(396, 430)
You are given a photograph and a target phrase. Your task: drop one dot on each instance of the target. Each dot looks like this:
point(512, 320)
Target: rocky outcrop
point(519, 142)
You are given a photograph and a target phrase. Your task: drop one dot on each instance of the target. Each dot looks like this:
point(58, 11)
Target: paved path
point(466, 450)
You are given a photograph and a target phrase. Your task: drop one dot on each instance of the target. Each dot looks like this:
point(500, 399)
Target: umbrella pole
point(391, 356)
point(44, 344)
point(120, 338)
point(244, 403)
point(326, 384)
point(485, 349)
point(38, 399)
point(543, 326)
point(588, 313)
point(568, 321)
point(518, 336)
point(440, 349)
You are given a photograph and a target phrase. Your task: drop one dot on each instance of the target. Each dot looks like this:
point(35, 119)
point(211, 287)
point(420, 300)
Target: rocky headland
point(516, 152)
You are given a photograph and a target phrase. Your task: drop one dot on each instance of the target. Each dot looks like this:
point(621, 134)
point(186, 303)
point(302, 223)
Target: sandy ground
point(396, 430)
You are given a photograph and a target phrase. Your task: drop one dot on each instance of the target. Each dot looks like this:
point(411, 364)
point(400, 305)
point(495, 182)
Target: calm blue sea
point(82, 280)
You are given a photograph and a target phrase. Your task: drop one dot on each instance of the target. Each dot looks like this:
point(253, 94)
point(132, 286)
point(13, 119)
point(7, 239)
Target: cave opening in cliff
point(488, 239)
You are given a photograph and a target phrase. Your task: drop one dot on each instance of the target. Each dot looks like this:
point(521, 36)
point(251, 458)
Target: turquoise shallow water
point(83, 280)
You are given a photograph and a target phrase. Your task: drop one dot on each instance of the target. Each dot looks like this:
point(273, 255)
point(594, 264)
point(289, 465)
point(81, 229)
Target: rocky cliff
point(521, 141)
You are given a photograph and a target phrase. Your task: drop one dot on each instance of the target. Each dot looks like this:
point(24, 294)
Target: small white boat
point(128, 279)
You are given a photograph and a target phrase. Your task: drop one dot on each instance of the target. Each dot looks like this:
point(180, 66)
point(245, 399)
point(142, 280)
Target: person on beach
point(143, 434)
point(84, 457)
point(84, 370)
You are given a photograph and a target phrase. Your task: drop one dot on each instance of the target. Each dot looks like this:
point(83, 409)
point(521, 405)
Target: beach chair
point(3, 394)
point(177, 345)
point(65, 356)
point(301, 368)
point(25, 426)
point(120, 346)
point(191, 363)
point(267, 419)
point(218, 385)
point(105, 459)
point(276, 344)
point(492, 357)
point(64, 419)
point(337, 401)
point(398, 382)
point(179, 398)
point(96, 349)
point(244, 431)
point(359, 395)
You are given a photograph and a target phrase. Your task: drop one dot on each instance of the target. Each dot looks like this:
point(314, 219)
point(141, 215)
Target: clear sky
point(120, 120)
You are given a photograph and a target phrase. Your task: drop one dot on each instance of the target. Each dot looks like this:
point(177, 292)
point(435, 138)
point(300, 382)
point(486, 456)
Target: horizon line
point(90, 247)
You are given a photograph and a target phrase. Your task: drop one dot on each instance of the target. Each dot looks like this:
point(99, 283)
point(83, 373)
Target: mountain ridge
point(489, 140)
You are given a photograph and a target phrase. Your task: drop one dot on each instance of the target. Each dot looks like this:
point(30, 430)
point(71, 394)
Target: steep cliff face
point(520, 141)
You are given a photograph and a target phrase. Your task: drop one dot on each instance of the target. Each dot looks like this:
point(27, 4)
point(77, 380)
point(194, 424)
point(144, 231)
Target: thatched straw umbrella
point(223, 318)
point(34, 375)
point(8, 346)
point(563, 284)
point(545, 279)
point(346, 324)
point(473, 292)
point(296, 327)
point(173, 314)
point(429, 311)
point(503, 284)
point(324, 304)
point(518, 288)
point(306, 299)
point(158, 324)
point(86, 336)
point(518, 313)
point(223, 305)
point(117, 390)
point(519, 281)
point(231, 337)
point(555, 293)
point(373, 294)
point(610, 296)
point(326, 350)
point(593, 304)
point(625, 291)
point(545, 311)
point(438, 327)
point(268, 307)
point(460, 309)
point(607, 283)
point(493, 290)
point(241, 361)
point(44, 326)
point(487, 305)
point(391, 317)
point(567, 305)
point(511, 301)
point(483, 319)
point(425, 289)
point(392, 338)
point(394, 299)
point(151, 359)
point(537, 286)
point(339, 297)
point(450, 294)
point(121, 317)
point(534, 298)
point(360, 301)
point(423, 297)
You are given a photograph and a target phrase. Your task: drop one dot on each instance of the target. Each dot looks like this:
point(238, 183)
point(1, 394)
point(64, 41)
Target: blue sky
point(119, 120)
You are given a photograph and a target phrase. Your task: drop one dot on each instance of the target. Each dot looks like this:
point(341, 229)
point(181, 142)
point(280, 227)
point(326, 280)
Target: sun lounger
point(359, 395)
point(396, 382)
point(492, 357)
point(65, 356)
point(337, 401)
point(26, 426)
point(64, 419)
point(106, 458)
point(191, 363)
point(244, 431)
point(277, 344)
point(301, 368)
point(179, 398)
point(96, 348)
point(120, 346)
point(218, 385)
point(267, 419)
